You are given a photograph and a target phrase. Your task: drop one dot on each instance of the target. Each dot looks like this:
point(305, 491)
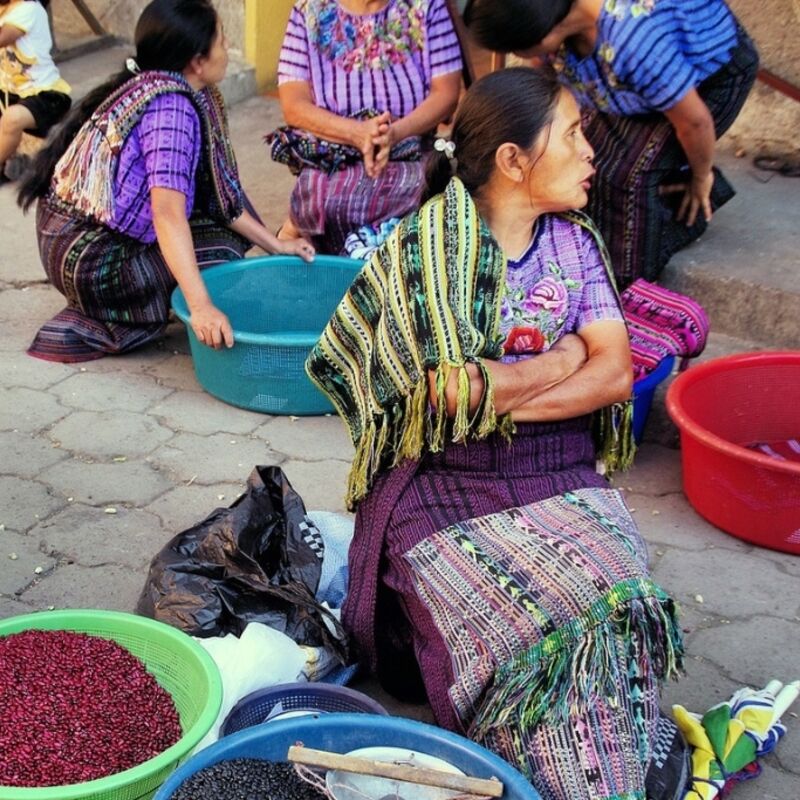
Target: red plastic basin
point(722, 405)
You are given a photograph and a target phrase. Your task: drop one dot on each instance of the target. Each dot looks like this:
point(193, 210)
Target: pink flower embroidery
point(549, 294)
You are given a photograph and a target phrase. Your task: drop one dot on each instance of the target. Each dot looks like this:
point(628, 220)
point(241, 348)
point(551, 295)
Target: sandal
point(785, 166)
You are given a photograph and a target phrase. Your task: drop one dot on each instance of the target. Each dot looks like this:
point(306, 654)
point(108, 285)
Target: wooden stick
point(400, 772)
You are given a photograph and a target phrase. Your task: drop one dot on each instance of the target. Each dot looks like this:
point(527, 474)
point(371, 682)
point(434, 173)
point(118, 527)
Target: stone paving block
point(221, 458)
point(101, 392)
point(16, 337)
point(185, 506)
point(321, 484)
point(24, 502)
point(788, 563)
point(28, 410)
point(782, 784)
point(308, 438)
point(703, 685)
point(106, 434)
point(25, 455)
point(199, 412)
point(721, 586)
point(91, 537)
point(13, 608)
point(20, 369)
point(19, 558)
point(102, 483)
point(656, 471)
point(676, 524)
point(73, 586)
point(752, 651)
point(30, 305)
point(177, 372)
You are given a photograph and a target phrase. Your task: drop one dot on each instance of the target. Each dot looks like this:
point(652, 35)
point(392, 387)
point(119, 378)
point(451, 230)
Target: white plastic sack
point(260, 658)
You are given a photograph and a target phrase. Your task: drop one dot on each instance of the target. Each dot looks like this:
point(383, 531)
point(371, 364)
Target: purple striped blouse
point(558, 286)
point(383, 61)
point(162, 151)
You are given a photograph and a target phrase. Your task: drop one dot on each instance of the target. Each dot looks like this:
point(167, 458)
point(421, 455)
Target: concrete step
point(744, 270)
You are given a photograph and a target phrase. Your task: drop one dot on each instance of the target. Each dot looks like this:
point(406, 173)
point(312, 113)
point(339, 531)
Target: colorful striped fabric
point(650, 53)
point(117, 289)
point(662, 323)
point(635, 155)
point(384, 60)
point(429, 299)
point(517, 581)
point(84, 175)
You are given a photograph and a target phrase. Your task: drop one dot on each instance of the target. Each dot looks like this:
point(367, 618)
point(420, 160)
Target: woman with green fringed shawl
point(481, 364)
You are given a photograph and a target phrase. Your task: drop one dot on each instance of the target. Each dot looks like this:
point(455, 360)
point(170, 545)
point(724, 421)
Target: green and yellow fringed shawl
point(84, 175)
point(429, 299)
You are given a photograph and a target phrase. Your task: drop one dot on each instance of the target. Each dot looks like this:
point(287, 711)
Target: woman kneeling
point(472, 360)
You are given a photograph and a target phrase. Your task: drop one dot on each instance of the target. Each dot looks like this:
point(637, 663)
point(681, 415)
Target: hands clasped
point(374, 138)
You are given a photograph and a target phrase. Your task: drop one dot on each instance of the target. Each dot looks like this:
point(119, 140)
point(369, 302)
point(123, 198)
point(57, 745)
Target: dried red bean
point(75, 708)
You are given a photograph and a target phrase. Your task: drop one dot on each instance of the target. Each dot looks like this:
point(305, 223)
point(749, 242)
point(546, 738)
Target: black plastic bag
point(247, 563)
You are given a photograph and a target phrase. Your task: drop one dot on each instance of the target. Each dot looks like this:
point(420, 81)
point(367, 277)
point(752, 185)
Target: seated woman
point(660, 81)
point(33, 95)
point(139, 190)
point(470, 359)
point(360, 82)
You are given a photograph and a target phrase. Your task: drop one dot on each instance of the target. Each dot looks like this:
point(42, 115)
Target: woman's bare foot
point(288, 230)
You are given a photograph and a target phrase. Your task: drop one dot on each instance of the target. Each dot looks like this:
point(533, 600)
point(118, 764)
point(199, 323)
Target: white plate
point(350, 786)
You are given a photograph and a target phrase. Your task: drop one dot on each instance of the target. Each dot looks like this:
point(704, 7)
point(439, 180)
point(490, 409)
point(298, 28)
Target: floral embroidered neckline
point(373, 41)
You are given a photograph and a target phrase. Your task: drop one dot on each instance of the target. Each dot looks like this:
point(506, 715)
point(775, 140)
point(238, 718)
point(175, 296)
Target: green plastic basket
point(278, 307)
point(178, 663)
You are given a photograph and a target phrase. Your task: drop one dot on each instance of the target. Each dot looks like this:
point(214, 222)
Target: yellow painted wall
point(265, 24)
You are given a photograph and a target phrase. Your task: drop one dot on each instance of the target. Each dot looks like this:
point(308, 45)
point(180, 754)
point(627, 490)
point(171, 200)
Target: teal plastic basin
point(278, 307)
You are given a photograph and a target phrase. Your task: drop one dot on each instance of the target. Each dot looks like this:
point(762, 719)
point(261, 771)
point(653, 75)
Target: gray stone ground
point(102, 463)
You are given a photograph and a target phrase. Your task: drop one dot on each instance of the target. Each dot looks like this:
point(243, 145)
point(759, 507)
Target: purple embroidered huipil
point(383, 61)
point(163, 151)
point(558, 286)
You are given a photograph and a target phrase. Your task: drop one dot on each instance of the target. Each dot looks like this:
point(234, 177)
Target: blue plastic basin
point(341, 733)
point(643, 391)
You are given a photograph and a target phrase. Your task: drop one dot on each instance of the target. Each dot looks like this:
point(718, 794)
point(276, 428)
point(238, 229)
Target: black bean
point(246, 779)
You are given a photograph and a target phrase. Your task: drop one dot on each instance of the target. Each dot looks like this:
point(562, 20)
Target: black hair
point(169, 34)
point(513, 105)
point(512, 26)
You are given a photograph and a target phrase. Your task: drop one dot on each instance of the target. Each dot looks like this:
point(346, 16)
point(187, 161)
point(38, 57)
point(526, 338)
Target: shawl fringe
point(561, 674)
point(428, 300)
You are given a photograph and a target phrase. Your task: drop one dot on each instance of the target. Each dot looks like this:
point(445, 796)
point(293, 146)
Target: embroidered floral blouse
point(558, 286)
point(383, 61)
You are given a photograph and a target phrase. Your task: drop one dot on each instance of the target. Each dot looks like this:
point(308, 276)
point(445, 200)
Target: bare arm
point(9, 34)
point(300, 111)
point(174, 237)
point(435, 108)
point(579, 374)
point(605, 378)
point(248, 226)
point(518, 382)
point(694, 127)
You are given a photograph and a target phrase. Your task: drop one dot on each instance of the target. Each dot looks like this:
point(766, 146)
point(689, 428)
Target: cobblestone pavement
point(103, 463)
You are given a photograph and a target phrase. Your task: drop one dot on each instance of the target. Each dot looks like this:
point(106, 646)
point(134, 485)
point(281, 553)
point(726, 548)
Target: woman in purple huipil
point(139, 190)
point(473, 359)
point(361, 82)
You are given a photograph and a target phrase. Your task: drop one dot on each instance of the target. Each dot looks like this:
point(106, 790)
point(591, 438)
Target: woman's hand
point(211, 326)
point(383, 143)
point(363, 137)
point(296, 247)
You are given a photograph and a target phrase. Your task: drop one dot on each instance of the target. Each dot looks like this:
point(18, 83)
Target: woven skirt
point(117, 288)
point(518, 582)
point(636, 155)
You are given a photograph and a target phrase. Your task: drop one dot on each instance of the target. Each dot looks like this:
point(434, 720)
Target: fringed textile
point(429, 299)
point(84, 175)
point(554, 636)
